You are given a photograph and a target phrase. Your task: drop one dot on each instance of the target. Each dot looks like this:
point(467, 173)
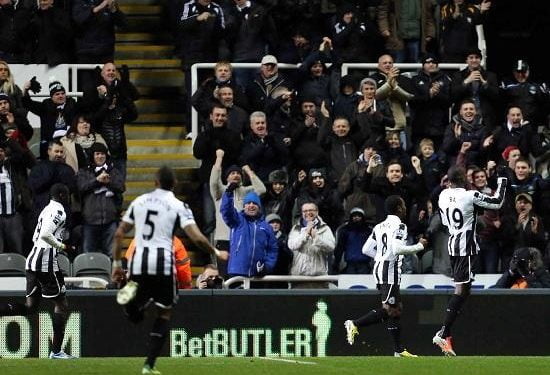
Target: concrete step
point(148, 173)
point(161, 146)
point(149, 10)
point(143, 51)
point(158, 160)
point(162, 78)
point(150, 63)
point(162, 92)
point(153, 24)
point(159, 105)
point(142, 38)
point(160, 118)
point(154, 131)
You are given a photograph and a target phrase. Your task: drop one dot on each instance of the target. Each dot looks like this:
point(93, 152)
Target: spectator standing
point(233, 174)
point(51, 35)
point(95, 22)
point(78, 142)
point(353, 36)
point(350, 238)
point(111, 101)
point(216, 137)
point(97, 186)
point(431, 102)
point(237, 117)
point(14, 23)
point(533, 98)
point(398, 90)
point(408, 27)
point(458, 19)
point(284, 255)
point(263, 151)
point(14, 120)
point(279, 197)
point(8, 87)
point(479, 85)
point(265, 83)
point(47, 173)
point(253, 246)
point(56, 113)
point(312, 243)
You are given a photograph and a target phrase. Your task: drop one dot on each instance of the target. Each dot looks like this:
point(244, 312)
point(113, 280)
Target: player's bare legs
point(157, 337)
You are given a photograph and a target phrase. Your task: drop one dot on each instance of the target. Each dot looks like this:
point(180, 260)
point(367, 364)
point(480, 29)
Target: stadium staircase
point(157, 137)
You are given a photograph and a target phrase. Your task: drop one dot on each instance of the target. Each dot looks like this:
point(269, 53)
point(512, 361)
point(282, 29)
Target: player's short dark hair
point(59, 192)
point(457, 176)
point(392, 204)
point(166, 178)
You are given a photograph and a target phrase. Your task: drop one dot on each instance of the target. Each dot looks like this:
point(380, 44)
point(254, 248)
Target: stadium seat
point(427, 262)
point(12, 265)
point(64, 264)
point(92, 264)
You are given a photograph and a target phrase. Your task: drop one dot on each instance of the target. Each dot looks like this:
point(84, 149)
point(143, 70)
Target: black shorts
point(389, 294)
point(162, 290)
point(462, 268)
point(48, 284)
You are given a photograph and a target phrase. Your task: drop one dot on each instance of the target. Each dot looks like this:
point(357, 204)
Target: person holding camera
point(526, 270)
point(210, 278)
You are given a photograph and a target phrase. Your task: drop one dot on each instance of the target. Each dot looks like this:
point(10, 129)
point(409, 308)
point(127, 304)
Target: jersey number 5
point(148, 222)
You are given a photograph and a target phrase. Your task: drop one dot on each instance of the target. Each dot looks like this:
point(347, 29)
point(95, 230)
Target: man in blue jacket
point(252, 245)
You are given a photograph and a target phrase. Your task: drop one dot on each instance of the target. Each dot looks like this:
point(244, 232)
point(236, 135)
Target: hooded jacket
point(253, 246)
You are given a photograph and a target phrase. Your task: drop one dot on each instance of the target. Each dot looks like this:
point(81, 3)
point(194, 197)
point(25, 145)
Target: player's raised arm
point(495, 201)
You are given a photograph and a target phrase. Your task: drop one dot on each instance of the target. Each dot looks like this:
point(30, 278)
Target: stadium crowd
point(316, 152)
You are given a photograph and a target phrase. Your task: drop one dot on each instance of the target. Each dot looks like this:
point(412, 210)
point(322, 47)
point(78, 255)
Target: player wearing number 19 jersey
point(387, 245)
point(459, 209)
point(155, 216)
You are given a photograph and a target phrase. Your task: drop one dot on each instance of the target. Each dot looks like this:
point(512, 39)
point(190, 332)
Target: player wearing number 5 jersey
point(152, 276)
point(387, 245)
point(459, 209)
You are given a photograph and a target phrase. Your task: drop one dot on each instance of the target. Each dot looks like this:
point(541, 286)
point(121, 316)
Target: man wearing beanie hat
point(253, 247)
point(234, 177)
point(431, 102)
point(56, 113)
point(98, 185)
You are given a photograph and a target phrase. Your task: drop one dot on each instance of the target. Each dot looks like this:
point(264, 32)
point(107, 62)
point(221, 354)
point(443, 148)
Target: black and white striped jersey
point(7, 196)
point(459, 209)
point(386, 238)
point(48, 236)
point(155, 216)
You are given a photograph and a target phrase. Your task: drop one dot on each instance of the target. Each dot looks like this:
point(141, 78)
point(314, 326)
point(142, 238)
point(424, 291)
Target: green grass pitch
point(290, 366)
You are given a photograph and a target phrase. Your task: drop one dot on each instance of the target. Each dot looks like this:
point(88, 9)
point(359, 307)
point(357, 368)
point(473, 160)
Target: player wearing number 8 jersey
point(459, 209)
point(387, 245)
point(155, 216)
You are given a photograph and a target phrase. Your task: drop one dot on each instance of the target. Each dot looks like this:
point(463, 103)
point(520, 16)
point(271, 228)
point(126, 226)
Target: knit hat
point(348, 80)
point(317, 172)
point(521, 66)
point(252, 197)
point(357, 211)
point(430, 57)
point(279, 176)
point(4, 96)
point(98, 147)
point(507, 150)
point(233, 168)
point(273, 217)
point(56, 86)
point(473, 51)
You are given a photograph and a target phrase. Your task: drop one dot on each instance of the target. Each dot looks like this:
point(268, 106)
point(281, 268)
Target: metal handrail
point(278, 278)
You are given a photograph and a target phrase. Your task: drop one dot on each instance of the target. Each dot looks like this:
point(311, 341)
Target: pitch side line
point(287, 360)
